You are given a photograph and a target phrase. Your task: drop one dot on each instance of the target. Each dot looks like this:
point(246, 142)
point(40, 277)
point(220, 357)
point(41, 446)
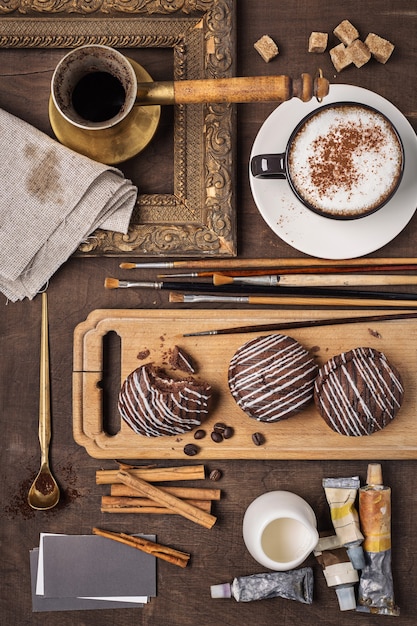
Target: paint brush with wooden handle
point(314, 269)
point(261, 263)
point(284, 301)
point(283, 292)
point(308, 323)
point(316, 280)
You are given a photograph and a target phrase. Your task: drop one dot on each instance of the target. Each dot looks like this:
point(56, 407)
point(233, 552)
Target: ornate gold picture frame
point(198, 218)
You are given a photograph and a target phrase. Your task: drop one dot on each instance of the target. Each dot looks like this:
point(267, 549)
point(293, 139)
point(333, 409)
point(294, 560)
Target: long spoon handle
point(44, 385)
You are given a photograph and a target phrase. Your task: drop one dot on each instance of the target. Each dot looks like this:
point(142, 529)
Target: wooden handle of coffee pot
point(239, 89)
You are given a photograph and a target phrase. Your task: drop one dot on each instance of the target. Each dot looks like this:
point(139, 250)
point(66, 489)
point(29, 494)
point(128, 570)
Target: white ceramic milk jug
point(280, 530)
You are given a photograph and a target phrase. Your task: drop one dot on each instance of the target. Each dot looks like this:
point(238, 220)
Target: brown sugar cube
point(358, 52)
point(346, 32)
point(380, 48)
point(340, 57)
point(266, 47)
point(317, 42)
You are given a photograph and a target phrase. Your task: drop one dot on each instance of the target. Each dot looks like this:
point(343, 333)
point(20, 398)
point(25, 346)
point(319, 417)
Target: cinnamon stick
point(154, 474)
point(127, 501)
point(152, 509)
point(172, 502)
point(150, 547)
point(138, 501)
point(189, 493)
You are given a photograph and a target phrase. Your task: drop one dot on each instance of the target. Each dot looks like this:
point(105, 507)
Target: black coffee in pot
point(98, 96)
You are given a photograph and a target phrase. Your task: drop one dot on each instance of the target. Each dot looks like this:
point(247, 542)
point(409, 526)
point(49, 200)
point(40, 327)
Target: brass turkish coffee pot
point(129, 131)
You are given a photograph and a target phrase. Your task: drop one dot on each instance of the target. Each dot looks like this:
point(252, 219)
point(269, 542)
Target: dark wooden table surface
point(77, 288)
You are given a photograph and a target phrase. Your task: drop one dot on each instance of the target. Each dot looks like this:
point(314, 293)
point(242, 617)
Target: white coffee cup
point(343, 161)
point(280, 530)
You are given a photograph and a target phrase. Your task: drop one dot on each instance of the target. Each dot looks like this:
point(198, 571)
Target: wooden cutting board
point(150, 336)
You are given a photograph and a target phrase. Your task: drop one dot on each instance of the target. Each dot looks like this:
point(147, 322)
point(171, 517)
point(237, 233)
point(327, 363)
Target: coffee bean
point(219, 427)
point(228, 432)
point(215, 475)
point(190, 449)
point(216, 437)
point(258, 439)
point(199, 434)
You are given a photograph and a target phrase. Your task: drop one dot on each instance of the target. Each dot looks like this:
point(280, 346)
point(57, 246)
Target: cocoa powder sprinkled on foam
point(333, 166)
point(345, 160)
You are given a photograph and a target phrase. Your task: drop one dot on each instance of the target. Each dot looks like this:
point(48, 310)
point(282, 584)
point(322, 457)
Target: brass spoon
point(44, 492)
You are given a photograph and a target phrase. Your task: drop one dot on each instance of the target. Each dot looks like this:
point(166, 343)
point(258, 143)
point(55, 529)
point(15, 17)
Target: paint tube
point(292, 585)
point(376, 591)
point(341, 494)
point(338, 570)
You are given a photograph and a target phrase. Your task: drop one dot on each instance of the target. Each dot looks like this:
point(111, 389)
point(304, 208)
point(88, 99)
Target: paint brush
point(280, 326)
point(281, 301)
point(313, 269)
point(239, 263)
point(322, 292)
point(316, 280)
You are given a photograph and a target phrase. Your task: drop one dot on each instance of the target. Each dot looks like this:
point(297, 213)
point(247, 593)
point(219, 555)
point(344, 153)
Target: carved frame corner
point(199, 218)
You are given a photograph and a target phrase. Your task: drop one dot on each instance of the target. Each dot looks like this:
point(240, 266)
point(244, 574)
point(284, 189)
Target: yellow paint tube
point(376, 593)
point(341, 494)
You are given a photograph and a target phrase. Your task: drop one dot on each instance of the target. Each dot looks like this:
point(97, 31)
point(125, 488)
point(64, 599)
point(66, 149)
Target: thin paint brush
point(322, 292)
point(259, 263)
point(313, 269)
point(281, 301)
point(316, 280)
point(332, 321)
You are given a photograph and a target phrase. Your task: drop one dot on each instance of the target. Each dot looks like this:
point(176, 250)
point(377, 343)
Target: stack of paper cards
point(75, 572)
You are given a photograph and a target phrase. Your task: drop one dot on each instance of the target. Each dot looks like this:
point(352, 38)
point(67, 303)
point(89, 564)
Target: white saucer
point(320, 236)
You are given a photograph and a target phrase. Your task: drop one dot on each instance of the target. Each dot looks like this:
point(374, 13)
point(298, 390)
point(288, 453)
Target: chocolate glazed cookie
point(272, 377)
point(358, 392)
point(154, 404)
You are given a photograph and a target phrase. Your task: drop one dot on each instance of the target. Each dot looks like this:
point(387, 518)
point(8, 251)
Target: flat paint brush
point(281, 301)
point(332, 321)
point(320, 292)
point(261, 263)
point(313, 269)
point(316, 280)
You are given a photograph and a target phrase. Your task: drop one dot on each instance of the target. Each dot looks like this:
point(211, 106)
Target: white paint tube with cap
point(338, 570)
point(376, 592)
point(292, 585)
point(341, 494)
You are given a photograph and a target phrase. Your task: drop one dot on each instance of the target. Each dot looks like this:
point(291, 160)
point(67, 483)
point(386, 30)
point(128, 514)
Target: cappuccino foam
point(345, 161)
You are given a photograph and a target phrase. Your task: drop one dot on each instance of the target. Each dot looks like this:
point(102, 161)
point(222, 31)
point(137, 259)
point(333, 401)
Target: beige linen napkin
point(51, 199)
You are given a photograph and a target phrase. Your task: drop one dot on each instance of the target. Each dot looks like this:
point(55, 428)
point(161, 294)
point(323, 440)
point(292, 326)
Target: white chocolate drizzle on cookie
point(154, 405)
point(272, 377)
point(358, 392)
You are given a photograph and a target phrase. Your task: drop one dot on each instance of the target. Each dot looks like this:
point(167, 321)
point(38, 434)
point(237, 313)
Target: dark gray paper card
point(41, 604)
point(89, 565)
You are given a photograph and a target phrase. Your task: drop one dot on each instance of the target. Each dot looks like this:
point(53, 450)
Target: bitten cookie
point(358, 392)
point(272, 377)
point(153, 404)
